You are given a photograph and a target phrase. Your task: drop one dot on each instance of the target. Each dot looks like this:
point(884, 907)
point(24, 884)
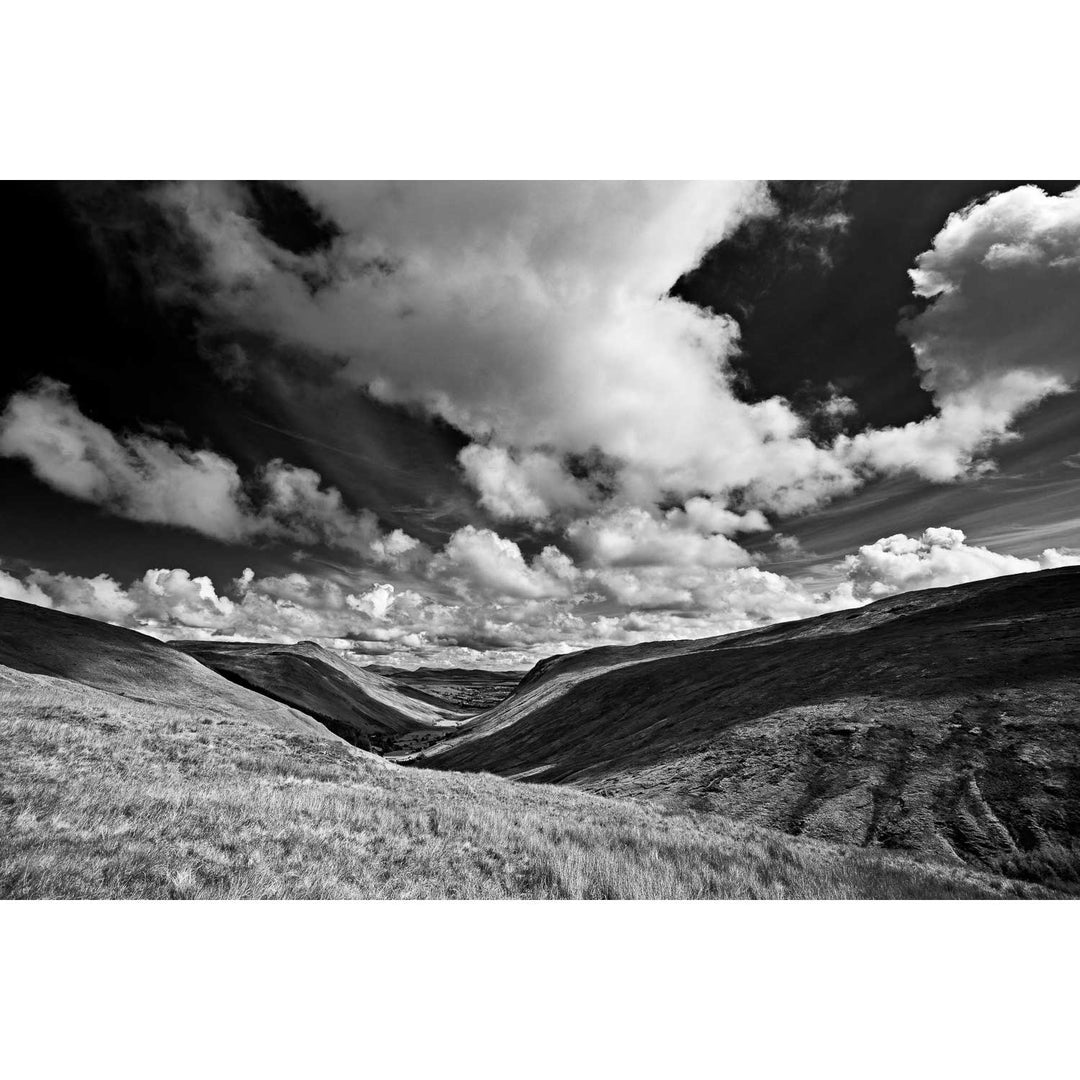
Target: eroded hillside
point(944, 723)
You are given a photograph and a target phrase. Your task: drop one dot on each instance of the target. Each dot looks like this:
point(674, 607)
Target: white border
point(563, 89)
point(528, 990)
point(572, 88)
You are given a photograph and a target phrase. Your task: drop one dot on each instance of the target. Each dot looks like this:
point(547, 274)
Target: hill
point(353, 701)
point(943, 723)
point(468, 688)
point(67, 655)
point(103, 796)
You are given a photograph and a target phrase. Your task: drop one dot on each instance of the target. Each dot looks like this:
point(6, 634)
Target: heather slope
point(945, 723)
point(358, 704)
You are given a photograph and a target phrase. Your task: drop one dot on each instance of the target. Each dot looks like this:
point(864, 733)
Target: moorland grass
point(105, 798)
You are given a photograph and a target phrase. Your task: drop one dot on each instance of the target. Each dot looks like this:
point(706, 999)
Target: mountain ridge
point(940, 722)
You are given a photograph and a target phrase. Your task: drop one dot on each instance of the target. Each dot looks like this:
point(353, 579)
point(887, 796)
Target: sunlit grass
point(100, 797)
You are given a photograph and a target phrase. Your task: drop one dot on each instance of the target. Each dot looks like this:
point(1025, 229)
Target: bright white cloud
point(12, 588)
point(941, 556)
point(163, 597)
point(634, 537)
point(531, 486)
point(1001, 334)
point(143, 478)
point(1004, 276)
point(495, 566)
point(98, 597)
point(535, 317)
point(376, 602)
point(509, 611)
point(136, 476)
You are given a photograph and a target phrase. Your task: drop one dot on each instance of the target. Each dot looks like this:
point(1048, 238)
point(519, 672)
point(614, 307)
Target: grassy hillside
point(102, 796)
point(136, 667)
point(944, 723)
point(354, 702)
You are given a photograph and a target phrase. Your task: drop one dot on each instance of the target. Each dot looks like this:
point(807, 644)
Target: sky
point(479, 423)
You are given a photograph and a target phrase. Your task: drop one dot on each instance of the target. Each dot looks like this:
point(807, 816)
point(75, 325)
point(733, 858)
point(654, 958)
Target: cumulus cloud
point(98, 597)
point(536, 318)
point(530, 486)
point(692, 536)
point(1005, 279)
point(12, 588)
point(137, 477)
point(496, 566)
point(1002, 331)
point(941, 556)
point(164, 597)
point(376, 602)
point(144, 478)
point(509, 611)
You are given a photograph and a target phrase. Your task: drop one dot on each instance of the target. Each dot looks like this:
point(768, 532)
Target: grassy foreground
point(101, 797)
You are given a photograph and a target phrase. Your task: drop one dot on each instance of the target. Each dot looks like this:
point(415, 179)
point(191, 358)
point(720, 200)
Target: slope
point(945, 723)
point(104, 797)
point(361, 706)
point(70, 654)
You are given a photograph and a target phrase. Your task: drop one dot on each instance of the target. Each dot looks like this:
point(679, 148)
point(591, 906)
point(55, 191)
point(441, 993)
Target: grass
point(105, 798)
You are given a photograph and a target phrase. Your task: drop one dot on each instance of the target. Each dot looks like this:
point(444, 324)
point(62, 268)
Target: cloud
point(1002, 331)
point(537, 319)
point(166, 597)
point(497, 567)
point(692, 536)
point(137, 477)
point(376, 602)
point(12, 588)
point(530, 486)
point(534, 317)
point(144, 478)
point(598, 410)
point(941, 556)
point(1004, 276)
point(296, 507)
point(506, 610)
point(98, 597)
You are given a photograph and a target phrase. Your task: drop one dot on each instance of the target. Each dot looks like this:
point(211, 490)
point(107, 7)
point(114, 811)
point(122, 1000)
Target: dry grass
point(100, 797)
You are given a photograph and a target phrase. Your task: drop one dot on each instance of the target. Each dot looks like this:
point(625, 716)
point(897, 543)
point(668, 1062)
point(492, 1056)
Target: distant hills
point(471, 688)
point(50, 652)
point(944, 723)
point(924, 745)
point(354, 702)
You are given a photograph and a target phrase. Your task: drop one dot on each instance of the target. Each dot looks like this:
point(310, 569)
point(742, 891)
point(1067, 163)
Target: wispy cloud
point(145, 478)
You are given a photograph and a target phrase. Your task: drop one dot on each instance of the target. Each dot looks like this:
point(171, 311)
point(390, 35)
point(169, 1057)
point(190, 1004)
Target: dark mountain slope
point(945, 722)
point(40, 647)
point(353, 701)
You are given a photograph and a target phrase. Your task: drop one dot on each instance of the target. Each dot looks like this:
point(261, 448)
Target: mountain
point(944, 723)
point(356, 703)
point(469, 688)
point(67, 656)
point(129, 769)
